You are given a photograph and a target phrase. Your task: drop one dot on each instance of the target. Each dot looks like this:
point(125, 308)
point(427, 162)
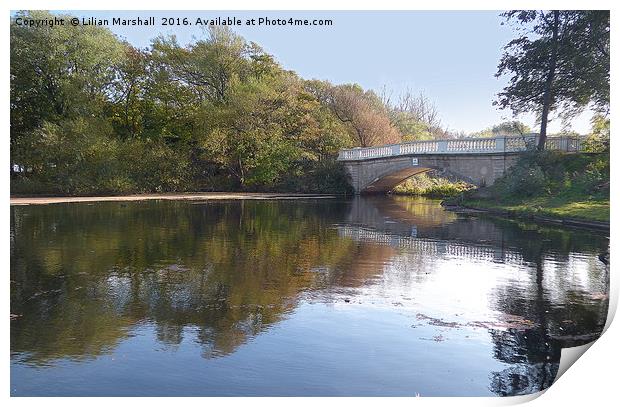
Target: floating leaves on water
point(436, 338)
point(599, 296)
point(438, 321)
point(505, 321)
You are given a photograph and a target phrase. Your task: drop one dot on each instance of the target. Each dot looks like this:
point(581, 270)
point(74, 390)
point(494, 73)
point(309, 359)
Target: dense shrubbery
point(548, 173)
point(83, 156)
point(550, 184)
point(326, 176)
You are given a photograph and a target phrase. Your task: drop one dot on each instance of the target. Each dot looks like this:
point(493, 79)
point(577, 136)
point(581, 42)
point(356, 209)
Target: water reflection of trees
point(574, 317)
point(83, 277)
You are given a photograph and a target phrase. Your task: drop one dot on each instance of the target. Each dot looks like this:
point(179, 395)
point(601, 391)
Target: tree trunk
point(548, 96)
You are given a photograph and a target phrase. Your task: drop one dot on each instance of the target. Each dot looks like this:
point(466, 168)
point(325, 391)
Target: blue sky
point(451, 56)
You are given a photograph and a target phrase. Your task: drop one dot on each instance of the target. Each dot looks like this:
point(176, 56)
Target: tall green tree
point(57, 74)
point(128, 102)
point(559, 62)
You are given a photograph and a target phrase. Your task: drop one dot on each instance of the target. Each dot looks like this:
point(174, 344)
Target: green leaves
point(559, 62)
point(92, 114)
point(598, 140)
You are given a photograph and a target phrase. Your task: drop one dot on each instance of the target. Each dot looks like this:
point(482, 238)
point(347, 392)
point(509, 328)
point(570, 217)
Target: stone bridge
point(479, 161)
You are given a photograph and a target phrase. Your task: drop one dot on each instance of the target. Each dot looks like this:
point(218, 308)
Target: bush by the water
point(430, 186)
point(551, 184)
point(548, 173)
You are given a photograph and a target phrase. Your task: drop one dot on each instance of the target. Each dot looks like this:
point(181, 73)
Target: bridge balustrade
point(471, 145)
point(419, 147)
point(508, 144)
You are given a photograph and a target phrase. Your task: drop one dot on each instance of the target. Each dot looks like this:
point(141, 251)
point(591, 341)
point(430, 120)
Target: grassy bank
point(551, 184)
point(560, 208)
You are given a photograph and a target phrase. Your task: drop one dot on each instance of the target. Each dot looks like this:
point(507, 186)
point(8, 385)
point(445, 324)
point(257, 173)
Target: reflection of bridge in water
point(422, 218)
point(423, 225)
point(430, 246)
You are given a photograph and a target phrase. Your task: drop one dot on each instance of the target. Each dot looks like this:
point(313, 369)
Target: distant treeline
point(90, 113)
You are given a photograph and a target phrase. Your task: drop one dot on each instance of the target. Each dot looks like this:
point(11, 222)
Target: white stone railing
point(502, 144)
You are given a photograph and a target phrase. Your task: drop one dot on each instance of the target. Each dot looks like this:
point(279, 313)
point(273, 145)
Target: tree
point(261, 132)
point(416, 116)
point(507, 128)
point(598, 139)
point(560, 62)
point(128, 101)
point(364, 113)
point(57, 74)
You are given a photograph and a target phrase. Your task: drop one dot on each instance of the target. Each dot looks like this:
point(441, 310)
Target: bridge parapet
point(507, 144)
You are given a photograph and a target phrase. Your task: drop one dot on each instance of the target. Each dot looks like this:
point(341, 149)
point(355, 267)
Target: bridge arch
point(393, 177)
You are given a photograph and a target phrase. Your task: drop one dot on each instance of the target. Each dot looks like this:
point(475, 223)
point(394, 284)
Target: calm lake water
point(372, 296)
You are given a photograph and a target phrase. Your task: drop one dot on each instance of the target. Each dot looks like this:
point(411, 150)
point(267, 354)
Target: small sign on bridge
point(414, 161)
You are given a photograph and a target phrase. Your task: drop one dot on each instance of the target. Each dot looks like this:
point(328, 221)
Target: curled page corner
point(569, 356)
